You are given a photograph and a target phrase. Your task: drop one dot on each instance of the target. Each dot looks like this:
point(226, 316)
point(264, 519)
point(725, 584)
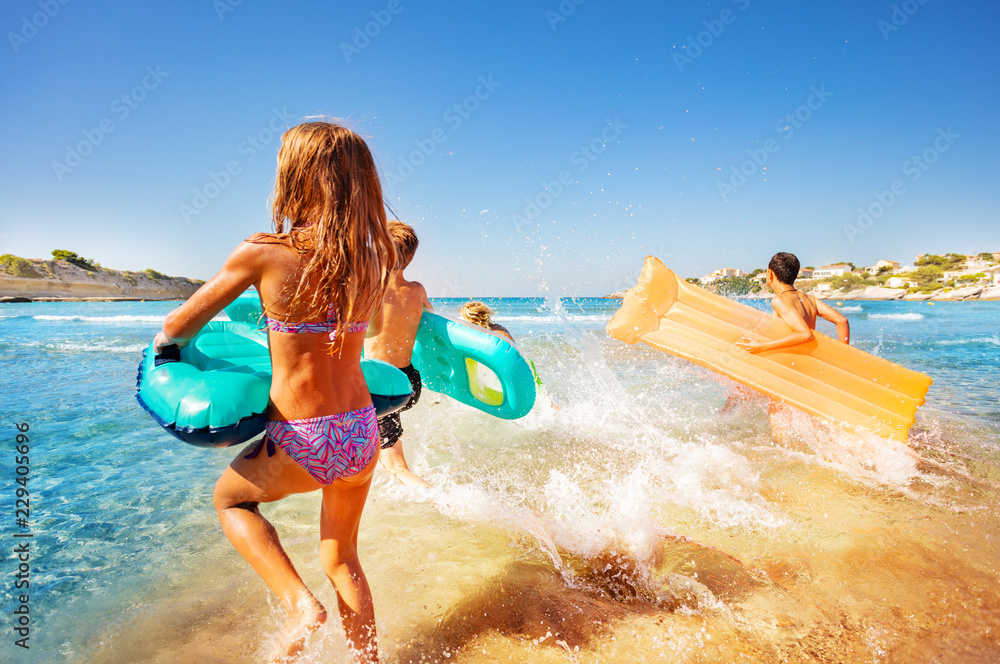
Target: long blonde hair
point(328, 202)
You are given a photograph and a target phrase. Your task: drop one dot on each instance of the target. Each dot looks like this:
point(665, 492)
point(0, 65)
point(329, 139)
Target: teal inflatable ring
point(476, 367)
point(246, 309)
point(214, 392)
point(455, 358)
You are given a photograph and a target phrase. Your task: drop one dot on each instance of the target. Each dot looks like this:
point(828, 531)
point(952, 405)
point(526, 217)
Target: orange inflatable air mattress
point(823, 377)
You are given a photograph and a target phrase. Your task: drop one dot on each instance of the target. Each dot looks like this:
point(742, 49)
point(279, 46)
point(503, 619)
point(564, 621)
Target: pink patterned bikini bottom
point(328, 447)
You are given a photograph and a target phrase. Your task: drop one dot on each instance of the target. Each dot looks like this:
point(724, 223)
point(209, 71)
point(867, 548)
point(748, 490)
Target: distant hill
point(36, 278)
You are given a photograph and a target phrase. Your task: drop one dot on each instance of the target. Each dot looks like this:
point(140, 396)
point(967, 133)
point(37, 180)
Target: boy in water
point(798, 311)
point(402, 307)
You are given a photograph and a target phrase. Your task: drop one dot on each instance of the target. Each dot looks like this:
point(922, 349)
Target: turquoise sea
point(623, 520)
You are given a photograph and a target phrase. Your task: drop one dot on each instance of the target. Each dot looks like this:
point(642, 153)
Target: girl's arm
point(239, 272)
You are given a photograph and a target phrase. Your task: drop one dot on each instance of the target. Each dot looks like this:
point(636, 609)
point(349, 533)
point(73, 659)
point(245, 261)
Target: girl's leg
point(243, 485)
point(343, 502)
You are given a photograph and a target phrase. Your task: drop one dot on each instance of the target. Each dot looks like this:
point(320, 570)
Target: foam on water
point(975, 341)
point(906, 316)
point(561, 318)
point(623, 509)
point(103, 319)
point(114, 346)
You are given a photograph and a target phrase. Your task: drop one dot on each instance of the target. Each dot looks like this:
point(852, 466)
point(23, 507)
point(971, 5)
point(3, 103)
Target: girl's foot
point(304, 619)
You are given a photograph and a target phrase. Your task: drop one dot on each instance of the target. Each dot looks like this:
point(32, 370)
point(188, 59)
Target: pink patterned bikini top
point(329, 326)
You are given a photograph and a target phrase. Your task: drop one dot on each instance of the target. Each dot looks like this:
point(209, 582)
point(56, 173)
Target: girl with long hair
point(321, 276)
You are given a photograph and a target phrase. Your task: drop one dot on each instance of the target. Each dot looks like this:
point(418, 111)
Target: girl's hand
point(161, 341)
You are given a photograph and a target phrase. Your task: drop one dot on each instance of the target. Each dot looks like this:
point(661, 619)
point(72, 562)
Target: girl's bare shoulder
point(268, 239)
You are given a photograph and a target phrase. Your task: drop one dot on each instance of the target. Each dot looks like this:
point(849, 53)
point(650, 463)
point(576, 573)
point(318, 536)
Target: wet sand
point(858, 572)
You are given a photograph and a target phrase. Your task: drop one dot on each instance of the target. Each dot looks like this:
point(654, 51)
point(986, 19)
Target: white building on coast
point(722, 273)
point(837, 270)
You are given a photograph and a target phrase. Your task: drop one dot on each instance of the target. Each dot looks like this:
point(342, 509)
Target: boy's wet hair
point(405, 239)
point(785, 267)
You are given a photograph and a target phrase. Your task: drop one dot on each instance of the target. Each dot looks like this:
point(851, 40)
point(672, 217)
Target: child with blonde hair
point(478, 313)
point(321, 435)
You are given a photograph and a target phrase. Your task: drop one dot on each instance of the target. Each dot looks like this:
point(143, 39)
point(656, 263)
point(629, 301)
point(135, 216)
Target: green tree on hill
point(72, 258)
point(927, 275)
point(849, 282)
point(19, 267)
point(986, 256)
point(733, 286)
point(945, 262)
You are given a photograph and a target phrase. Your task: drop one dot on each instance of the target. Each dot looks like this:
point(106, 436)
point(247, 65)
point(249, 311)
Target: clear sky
point(539, 148)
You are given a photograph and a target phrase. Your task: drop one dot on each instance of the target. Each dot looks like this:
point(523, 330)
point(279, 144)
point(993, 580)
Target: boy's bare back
point(797, 309)
point(402, 307)
point(795, 303)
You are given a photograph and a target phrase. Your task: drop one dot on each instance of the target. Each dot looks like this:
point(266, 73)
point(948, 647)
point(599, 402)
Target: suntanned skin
point(402, 306)
point(307, 381)
point(799, 311)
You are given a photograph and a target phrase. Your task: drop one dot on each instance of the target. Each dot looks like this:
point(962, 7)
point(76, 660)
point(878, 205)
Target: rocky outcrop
point(968, 293)
point(60, 279)
point(987, 292)
point(990, 293)
point(868, 293)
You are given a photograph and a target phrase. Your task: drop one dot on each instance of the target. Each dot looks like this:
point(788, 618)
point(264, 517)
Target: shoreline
point(18, 299)
point(36, 280)
point(990, 293)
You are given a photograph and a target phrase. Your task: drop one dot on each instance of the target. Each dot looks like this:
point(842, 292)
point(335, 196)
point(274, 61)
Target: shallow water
point(632, 524)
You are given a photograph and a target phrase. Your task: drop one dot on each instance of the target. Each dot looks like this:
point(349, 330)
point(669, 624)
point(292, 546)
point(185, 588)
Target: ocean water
point(623, 520)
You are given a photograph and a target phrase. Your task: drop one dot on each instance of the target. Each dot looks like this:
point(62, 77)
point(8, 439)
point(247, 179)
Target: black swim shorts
point(390, 427)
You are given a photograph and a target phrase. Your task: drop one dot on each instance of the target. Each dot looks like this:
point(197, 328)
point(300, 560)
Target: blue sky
point(539, 148)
